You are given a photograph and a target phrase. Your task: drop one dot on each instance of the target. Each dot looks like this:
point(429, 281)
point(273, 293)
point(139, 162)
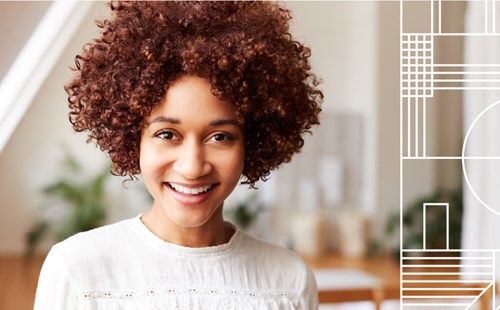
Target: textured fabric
point(125, 266)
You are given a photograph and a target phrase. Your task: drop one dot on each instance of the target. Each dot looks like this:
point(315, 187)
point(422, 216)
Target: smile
point(190, 190)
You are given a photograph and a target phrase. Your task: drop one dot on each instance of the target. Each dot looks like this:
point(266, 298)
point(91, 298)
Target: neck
point(214, 232)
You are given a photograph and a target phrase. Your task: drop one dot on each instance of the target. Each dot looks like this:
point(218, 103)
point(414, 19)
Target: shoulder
point(263, 250)
point(279, 264)
point(99, 237)
point(97, 245)
point(102, 251)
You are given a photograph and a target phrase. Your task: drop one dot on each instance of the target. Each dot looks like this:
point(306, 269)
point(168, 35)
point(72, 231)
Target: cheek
point(155, 160)
point(228, 164)
point(236, 163)
point(147, 159)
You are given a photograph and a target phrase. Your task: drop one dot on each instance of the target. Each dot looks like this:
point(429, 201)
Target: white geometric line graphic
point(447, 207)
point(421, 283)
point(443, 277)
point(464, 158)
point(427, 278)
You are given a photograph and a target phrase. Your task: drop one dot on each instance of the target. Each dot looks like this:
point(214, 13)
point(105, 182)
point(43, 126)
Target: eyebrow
point(165, 119)
point(214, 123)
point(221, 122)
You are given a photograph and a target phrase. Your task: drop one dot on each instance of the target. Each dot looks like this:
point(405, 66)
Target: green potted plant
point(245, 212)
point(84, 198)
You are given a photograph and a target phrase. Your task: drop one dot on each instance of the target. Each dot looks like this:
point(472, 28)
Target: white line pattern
point(448, 278)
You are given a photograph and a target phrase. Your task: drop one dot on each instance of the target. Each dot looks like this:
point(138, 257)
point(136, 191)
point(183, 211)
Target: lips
point(190, 195)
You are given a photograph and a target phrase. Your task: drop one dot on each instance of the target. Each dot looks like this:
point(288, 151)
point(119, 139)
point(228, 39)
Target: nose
point(191, 161)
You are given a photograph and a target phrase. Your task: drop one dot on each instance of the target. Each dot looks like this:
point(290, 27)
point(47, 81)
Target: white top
point(126, 266)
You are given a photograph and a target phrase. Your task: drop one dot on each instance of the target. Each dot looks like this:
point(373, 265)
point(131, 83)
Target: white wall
point(13, 41)
point(31, 157)
point(387, 162)
point(343, 39)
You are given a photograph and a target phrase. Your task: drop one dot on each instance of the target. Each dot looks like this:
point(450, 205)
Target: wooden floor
point(18, 280)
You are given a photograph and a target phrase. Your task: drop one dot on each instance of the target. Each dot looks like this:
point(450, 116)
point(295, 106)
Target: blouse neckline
point(179, 250)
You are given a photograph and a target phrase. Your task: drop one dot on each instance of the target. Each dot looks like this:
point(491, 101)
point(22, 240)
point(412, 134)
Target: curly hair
point(243, 48)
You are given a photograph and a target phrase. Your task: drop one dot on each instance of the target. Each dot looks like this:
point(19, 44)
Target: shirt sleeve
point(309, 298)
point(55, 290)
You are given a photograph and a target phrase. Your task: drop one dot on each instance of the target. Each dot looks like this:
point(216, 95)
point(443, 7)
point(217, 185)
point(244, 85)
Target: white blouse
point(126, 266)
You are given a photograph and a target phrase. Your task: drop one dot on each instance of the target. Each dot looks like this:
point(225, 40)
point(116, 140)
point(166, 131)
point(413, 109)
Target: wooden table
point(437, 278)
point(384, 269)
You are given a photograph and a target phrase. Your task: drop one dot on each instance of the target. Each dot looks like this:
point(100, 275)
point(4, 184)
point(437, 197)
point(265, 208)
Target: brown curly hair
point(244, 48)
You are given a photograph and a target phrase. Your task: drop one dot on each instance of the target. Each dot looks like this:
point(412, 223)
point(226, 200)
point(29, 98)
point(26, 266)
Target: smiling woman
point(194, 97)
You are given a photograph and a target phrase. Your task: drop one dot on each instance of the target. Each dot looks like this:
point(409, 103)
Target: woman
point(194, 97)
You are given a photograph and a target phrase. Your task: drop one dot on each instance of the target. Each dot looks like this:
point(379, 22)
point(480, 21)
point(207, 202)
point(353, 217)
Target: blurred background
point(337, 203)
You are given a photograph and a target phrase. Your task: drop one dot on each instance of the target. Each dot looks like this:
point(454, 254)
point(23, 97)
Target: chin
point(190, 221)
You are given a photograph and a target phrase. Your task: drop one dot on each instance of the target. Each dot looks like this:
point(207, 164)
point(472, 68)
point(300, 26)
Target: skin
point(191, 139)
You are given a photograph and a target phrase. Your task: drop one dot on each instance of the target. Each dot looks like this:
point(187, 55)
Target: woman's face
point(191, 153)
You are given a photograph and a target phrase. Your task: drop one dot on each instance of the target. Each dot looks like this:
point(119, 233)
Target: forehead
point(191, 97)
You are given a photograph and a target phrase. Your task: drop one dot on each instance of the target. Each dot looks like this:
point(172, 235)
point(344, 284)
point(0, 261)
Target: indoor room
point(407, 124)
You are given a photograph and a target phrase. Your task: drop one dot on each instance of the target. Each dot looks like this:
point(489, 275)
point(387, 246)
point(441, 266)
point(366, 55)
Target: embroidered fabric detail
point(185, 291)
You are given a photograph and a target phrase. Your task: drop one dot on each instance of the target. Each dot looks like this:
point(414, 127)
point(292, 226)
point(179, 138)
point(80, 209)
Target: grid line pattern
point(417, 65)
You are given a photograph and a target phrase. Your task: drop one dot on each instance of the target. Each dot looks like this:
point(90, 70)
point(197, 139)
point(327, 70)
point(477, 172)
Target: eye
point(221, 137)
point(165, 135)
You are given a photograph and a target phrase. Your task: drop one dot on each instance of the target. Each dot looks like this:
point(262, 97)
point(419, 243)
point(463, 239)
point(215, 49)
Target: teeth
point(190, 191)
